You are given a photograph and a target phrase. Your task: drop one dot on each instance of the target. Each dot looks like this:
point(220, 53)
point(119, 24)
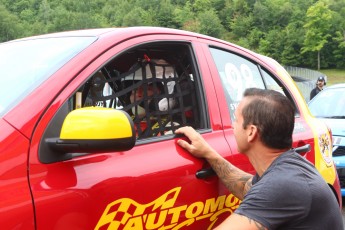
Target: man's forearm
point(237, 181)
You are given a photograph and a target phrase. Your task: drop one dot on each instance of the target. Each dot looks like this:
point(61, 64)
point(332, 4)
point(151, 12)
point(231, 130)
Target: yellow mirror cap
point(97, 123)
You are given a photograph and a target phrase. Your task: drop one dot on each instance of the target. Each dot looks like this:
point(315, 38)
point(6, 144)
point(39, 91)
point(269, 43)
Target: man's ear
point(252, 132)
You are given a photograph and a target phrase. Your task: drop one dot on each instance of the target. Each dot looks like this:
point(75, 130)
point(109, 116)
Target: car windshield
point(330, 103)
point(25, 64)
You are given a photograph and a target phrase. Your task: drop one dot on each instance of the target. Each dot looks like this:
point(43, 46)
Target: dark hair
point(273, 114)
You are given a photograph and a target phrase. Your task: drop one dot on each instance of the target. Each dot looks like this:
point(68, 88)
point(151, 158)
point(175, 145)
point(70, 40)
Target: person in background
point(287, 191)
point(320, 83)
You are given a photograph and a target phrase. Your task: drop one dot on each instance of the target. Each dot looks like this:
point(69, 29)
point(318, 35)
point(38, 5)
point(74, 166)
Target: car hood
point(337, 126)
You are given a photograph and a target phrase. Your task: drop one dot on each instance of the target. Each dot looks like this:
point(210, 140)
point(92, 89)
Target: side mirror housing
point(93, 130)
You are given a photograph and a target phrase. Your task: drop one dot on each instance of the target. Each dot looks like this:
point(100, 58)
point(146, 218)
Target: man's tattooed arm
point(236, 180)
point(236, 221)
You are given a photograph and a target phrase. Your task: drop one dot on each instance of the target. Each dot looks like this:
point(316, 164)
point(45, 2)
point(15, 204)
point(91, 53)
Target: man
point(319, 87)
point(149, 108)
point(148, 125)
point(287, 192)
point(143, 92)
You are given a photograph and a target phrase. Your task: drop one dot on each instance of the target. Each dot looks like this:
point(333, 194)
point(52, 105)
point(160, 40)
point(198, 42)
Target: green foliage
point(293, 32)
point(339, 50)
point(210, 23)
point(293, 40)
point(317, 28)
point(164, 15)
point(201, 5)
point(241, 24)
point(183, 15)
point(318, 23)
point(10, 27)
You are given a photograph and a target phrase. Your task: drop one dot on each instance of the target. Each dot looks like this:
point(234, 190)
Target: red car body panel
point(14, 187)
point(158, 179)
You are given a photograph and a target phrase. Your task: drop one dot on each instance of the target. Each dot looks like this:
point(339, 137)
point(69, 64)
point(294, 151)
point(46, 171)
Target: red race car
point(88, 119)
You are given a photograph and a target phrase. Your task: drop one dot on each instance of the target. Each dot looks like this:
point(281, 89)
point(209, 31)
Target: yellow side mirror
point(97, 123)
point(95, 129)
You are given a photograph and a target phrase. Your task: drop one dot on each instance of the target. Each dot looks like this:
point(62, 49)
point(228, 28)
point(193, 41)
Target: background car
point(87, 122)
point(329, 106)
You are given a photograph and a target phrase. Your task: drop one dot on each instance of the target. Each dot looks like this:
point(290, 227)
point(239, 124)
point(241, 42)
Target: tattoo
point(257, 224)
point(236, 180)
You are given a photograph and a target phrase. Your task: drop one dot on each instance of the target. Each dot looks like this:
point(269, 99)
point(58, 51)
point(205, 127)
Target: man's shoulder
point(313, 91)
point(290, 168)
point(290, 181)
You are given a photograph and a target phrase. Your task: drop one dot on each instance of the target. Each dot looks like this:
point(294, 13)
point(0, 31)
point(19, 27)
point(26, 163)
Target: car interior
point(167, 69)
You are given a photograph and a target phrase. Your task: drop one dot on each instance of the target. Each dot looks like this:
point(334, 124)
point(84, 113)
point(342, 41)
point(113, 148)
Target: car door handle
point(303, 149)
point(205, 173)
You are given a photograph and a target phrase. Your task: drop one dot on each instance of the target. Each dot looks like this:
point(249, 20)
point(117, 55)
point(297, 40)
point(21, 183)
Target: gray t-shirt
point(291, 194)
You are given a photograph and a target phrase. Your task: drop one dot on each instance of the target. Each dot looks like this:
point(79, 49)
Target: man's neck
point(262, 158)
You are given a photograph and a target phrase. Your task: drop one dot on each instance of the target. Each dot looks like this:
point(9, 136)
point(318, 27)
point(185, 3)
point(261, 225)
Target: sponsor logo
point(325, 148)
point(162, 213)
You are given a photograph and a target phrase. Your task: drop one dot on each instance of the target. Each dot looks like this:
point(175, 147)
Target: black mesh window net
point(158, 97)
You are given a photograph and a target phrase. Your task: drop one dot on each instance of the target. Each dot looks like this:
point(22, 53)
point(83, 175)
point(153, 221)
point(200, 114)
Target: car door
point(151, 186)
point(236, 69)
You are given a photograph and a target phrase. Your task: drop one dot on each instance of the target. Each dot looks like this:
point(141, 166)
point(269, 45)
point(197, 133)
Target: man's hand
point(236, 180)
point(198, 147)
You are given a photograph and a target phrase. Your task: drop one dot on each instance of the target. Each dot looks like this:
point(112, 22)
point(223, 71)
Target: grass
point(334, 76)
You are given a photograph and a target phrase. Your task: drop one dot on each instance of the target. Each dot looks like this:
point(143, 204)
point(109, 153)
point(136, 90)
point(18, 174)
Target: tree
point(338, 36)
point(271, 45)
point(45, 12)
point(339, 52)
point(10, 26)
point(184, 15)
point(271, 14)
point(201, 5)
point(292, 31)
point(164, 14)
point(241, 25)
point(317, 28)
point(115, 10)
point(210, 24)
point(134, 17)
point(293, 41)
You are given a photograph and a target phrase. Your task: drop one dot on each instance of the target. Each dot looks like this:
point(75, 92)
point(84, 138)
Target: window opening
point(155, 86)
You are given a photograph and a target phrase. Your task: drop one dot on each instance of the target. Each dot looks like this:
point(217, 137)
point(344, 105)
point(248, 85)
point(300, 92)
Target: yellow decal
point(162, 214)
point(325, 149)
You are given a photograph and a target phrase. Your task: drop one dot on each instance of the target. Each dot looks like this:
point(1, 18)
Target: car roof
point(118, 30)
point(132, 32)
